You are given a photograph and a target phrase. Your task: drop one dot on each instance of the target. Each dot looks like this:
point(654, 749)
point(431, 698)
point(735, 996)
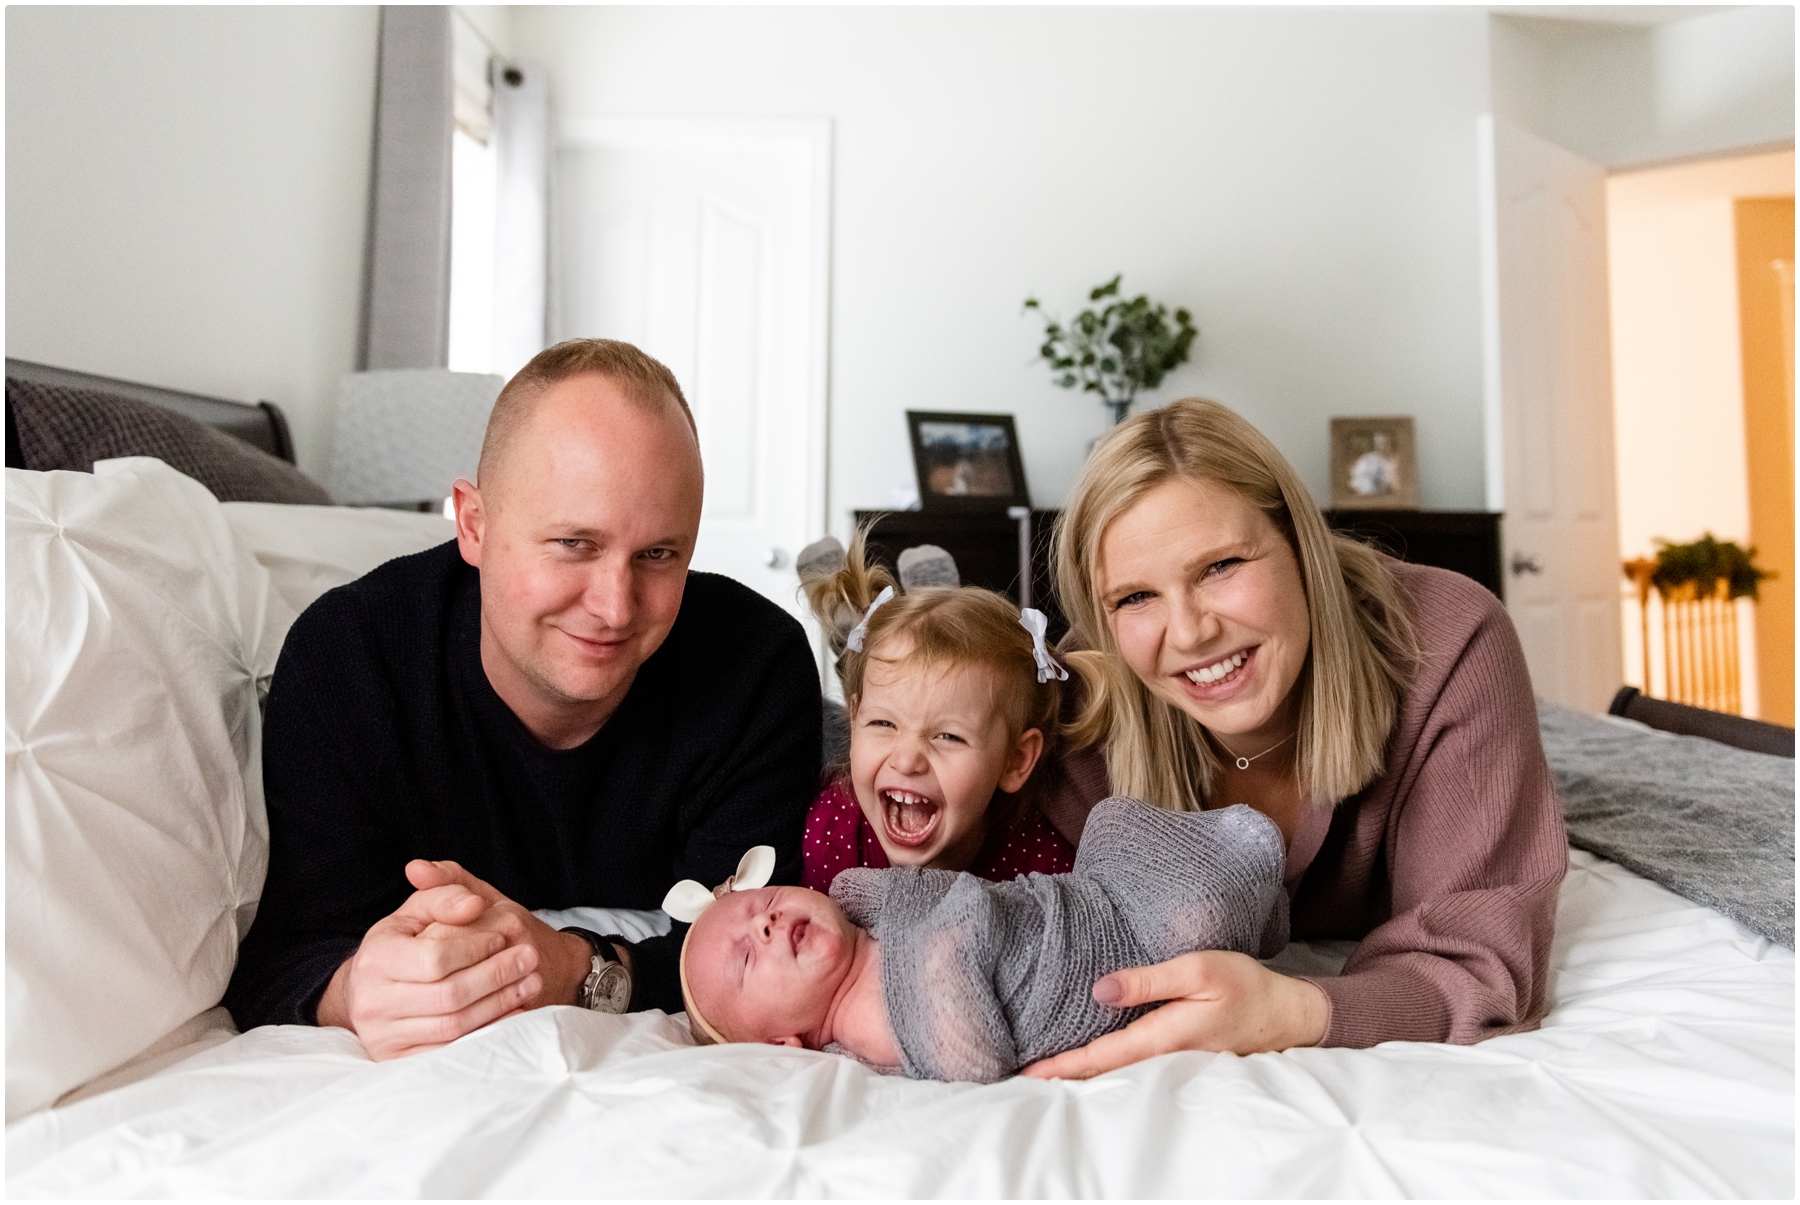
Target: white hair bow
point(687, 899)
point(1048, 667)
point(854, 641)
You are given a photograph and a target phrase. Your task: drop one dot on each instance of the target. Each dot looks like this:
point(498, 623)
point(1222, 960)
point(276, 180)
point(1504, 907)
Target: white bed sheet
point(1664, 1069)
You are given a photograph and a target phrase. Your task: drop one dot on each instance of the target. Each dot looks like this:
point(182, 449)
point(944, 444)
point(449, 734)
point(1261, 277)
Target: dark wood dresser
point(1466, 541)
point(986, 547)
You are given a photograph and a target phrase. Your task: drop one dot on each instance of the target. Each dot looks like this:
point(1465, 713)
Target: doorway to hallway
point(1701, 286)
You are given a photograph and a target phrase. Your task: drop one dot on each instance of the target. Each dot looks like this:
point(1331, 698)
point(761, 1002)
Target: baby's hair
point(960, 625)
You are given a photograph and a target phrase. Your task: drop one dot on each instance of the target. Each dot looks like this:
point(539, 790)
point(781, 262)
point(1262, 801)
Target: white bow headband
point(1048, 667)
point(687, 899)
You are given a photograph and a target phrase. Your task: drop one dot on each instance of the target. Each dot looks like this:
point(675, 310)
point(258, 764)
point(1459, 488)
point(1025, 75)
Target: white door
point(1549, 405)
point(705, 243)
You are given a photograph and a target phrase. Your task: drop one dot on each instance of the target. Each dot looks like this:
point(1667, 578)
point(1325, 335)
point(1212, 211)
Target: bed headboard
point(262, 425)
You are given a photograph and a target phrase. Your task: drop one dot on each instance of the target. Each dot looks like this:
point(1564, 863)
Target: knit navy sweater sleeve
point(383, 741)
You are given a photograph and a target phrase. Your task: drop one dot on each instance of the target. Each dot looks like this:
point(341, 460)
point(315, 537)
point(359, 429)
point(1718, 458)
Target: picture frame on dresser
point(1374, 464)
point(967, 463)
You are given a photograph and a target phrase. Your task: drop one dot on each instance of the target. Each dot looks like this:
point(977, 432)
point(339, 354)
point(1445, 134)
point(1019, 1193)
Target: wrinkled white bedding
point(1665, 1069)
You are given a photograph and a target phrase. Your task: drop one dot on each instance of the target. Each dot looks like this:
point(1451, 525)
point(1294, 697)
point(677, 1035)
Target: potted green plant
point(1703, 564)
point(1115, 351)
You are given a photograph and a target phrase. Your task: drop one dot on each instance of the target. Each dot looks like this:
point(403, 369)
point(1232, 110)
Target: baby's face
point(764, 965)
point(928, 748)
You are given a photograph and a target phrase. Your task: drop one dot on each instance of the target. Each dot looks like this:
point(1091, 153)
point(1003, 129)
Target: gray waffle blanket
point(982, 978)
point(1709, 822)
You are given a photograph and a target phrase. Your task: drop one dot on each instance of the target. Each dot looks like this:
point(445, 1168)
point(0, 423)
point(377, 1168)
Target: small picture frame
point(1373, 464)
point(967, 462)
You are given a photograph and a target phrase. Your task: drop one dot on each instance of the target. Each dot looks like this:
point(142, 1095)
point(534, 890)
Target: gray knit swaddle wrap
point(982, 978)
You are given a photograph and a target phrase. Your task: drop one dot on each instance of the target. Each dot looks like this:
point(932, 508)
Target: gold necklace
point(1243, 763)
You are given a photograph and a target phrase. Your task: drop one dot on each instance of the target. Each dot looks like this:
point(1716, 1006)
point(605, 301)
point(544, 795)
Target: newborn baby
point(942, 975)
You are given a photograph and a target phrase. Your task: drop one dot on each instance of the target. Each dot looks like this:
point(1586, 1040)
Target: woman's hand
point(1216, 1001)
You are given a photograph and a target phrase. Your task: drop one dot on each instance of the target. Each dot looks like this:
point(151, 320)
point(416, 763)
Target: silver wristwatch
point(607, 988)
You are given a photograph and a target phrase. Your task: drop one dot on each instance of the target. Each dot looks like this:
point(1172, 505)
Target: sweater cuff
point(255, 996)
point(1385, 1004)
point(656, 972)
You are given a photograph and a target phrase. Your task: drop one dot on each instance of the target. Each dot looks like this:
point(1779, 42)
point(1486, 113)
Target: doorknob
point(1525, 564)
point(777, 558)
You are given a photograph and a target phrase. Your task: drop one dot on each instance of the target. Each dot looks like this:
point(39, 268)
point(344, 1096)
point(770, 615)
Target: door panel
point(1597, 622)
point(1540, 626)
point(704, 243)
point(1552, 390)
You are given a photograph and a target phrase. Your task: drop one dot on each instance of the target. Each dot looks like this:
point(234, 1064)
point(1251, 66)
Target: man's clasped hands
point(456, 956)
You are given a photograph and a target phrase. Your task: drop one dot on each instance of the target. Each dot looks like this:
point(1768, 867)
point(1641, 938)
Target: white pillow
point(311, 549)
point(136, 841)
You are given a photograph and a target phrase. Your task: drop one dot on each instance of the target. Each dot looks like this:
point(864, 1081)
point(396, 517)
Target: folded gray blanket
point(983, 978)
point(1709, 822)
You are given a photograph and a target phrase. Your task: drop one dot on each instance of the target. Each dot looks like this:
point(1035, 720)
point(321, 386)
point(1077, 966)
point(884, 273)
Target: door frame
point(1493, 411)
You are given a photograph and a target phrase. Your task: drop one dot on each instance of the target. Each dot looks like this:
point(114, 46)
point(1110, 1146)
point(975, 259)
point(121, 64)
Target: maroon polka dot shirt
point(839, 836)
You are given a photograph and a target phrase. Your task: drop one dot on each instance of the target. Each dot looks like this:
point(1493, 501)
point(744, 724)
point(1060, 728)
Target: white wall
point(1628, 95)
point(186, 191)
point(1303, 181)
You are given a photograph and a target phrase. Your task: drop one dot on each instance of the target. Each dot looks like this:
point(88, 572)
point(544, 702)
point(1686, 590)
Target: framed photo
point(967, 462)
point(1373, 465)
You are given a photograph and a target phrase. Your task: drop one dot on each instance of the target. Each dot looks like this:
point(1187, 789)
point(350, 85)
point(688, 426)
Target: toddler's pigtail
point(839, 586)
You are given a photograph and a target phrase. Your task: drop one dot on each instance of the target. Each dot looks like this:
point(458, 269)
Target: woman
point(1380, 713)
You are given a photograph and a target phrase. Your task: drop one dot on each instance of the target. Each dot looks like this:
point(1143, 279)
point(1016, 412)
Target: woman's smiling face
point(1204, 597)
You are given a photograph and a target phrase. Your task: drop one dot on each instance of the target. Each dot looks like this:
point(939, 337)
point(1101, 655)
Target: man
point(552, 709)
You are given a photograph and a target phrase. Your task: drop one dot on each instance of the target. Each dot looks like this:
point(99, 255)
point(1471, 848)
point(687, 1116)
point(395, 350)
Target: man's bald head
point(641, 379)
point(582, 526)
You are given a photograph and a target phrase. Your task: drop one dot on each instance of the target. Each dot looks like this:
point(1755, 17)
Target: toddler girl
point(952, 699)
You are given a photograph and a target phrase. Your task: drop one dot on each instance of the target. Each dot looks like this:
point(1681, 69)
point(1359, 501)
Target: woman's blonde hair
point(962, 625)
point(1363, 649)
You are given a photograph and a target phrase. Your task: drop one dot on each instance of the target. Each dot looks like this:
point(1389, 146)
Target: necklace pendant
point(1243, 763)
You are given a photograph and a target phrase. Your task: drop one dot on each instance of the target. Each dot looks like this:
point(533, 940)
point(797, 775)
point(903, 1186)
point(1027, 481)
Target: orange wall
point(1765, 235)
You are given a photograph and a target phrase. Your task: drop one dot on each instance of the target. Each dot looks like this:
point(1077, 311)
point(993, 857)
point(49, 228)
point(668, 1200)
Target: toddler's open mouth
point(909, 817)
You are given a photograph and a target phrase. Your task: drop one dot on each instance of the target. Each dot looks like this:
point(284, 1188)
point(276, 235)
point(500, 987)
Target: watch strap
point(600, 944)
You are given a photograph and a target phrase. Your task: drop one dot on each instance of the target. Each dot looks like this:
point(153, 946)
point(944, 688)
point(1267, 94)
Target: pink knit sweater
point(1446, 867)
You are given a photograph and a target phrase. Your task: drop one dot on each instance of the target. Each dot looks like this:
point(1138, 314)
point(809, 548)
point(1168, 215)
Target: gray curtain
point(406, 309)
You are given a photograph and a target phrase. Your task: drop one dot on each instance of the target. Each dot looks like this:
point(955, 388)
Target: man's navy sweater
point(383, 741)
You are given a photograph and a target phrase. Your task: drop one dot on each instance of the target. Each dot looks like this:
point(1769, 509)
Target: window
point(473, 181)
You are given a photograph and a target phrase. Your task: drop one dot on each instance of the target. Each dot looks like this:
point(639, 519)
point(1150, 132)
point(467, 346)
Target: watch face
point(613, 993)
